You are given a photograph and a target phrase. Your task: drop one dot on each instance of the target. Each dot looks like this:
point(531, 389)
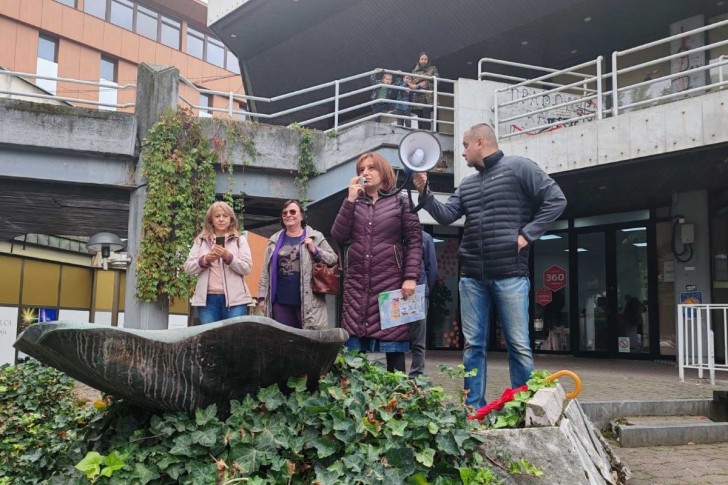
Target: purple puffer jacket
point(386, 249)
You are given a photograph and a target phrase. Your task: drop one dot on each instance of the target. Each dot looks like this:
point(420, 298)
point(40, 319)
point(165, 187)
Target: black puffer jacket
point(386, 249)
point(508, 197)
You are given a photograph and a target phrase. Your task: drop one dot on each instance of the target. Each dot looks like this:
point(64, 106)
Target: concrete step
point(643, 431)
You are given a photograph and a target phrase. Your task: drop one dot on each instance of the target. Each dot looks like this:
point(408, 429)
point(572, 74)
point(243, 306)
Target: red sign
point(554, 278)
point(543, 296)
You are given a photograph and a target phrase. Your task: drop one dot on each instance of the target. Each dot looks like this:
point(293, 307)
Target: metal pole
point(434, 104)
point(615, 110)
point(336, 105)
point(600, 104)
point(680, 342)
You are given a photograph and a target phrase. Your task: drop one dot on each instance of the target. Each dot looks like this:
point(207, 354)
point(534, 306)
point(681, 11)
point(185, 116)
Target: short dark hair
point(300, 208)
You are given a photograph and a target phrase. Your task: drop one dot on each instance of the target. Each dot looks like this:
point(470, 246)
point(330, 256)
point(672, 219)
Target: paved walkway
point(610, 380)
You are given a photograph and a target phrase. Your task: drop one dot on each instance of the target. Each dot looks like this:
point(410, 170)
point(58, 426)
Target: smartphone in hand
point(220, 240)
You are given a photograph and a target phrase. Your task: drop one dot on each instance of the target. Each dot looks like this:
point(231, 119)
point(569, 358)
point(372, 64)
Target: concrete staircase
point(663, 423)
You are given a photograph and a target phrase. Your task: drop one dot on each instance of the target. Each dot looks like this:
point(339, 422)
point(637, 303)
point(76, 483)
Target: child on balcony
point(382, 92)
point(404, 96)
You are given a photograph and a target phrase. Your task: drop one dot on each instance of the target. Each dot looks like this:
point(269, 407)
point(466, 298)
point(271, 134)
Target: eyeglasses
point(291, 212)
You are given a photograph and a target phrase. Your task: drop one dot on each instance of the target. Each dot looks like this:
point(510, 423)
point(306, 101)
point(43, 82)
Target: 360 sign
point(555, 278)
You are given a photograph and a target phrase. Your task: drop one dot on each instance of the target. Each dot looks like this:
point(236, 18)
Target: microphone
point(362, 181)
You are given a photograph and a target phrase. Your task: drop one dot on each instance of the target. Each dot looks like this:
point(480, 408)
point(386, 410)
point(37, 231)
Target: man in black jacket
point(508, 203)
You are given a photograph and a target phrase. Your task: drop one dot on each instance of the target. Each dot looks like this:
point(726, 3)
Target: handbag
point(325, 279)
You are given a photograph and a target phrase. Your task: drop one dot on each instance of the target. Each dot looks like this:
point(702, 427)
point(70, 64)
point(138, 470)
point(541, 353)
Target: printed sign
point(8, 334)
point(623, 344)
point(543, 296)
point(395, 310)
point(691, 297)
point(555, 278)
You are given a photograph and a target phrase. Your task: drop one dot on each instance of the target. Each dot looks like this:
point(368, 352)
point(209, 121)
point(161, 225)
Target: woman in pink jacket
point(220, 257)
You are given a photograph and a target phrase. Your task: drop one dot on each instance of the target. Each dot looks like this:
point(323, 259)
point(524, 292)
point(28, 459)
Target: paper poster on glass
point(394, 310)
point(31, 315)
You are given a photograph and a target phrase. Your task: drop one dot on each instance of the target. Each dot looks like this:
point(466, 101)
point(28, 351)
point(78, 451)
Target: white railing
point(334, 93)
point(696, 328)
point(675, 89)
point(529, 105)
point(583, 97)
point(101, 85)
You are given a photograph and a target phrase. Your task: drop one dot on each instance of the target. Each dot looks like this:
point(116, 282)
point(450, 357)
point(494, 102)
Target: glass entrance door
point(612, 291)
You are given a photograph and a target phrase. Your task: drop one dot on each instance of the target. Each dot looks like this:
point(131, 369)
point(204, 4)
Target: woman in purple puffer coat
point(385, 254)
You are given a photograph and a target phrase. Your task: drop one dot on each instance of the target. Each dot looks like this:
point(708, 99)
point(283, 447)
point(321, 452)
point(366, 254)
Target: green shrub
point(40, 422)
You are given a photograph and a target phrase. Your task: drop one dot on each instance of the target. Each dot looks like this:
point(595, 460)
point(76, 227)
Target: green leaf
point(204, 416)
point(297, 383)
point(206, 438)
point(324, 446)
point(272, 397)
point(397, 427)
point(90, 465)
point(426, 457)
point(143, 474)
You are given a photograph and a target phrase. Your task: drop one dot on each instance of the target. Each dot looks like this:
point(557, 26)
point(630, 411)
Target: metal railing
point(696, 328)
point(54, 97)
point(539, 110)
point(584, 96)
point(334, 94)
point(676, 92)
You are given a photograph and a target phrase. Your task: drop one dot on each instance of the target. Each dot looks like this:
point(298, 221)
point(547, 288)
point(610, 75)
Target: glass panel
point(47, 48)
point(10, 282)
point(632, 316)
point(195, 43)
point(147, 22)
point(76, 287)
point(612, 218)
point(593, 308)
point(215, 52)
point(551, 293)
point(170, 33)
point(443, 324)
point(40, 283)
point(232, 62)
point(97, 8)
point(108, 69)
point(122, 13)
point(666, 288)
point(104, 290)
point(70, 3)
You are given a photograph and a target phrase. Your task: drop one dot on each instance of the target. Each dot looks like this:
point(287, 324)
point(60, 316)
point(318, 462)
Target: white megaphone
point(419, 151)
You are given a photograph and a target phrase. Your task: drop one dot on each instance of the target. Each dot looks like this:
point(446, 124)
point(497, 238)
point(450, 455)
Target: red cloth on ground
point(508, 395)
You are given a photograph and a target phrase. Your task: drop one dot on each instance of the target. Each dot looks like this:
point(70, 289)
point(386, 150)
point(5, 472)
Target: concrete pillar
point(157, 91)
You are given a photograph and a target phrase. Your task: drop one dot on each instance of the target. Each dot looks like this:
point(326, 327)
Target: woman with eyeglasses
point(285, 281)
point(385, 254)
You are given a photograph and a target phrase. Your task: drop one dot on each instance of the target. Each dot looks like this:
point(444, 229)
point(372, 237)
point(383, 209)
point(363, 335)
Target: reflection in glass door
point(631, 275)
point(592, 301)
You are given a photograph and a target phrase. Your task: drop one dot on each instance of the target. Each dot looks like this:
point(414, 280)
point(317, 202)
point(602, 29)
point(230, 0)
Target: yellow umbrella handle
point(574, 377)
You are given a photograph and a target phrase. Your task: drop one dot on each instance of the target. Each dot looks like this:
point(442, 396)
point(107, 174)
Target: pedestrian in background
point(418, 329)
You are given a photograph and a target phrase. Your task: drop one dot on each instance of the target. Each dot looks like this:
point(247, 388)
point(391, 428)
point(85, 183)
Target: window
point(215, 52)
point(232, 63)
point(48, 48)
point(97, 8)
point(147, 23)
point(70, 3)
point(122, 14)
point(205, 102)
point(195, 43)
point(108, 69)
point(170, 33)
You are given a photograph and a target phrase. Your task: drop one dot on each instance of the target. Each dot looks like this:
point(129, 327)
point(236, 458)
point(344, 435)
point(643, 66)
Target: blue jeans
point(215, 310)
point(510, 297)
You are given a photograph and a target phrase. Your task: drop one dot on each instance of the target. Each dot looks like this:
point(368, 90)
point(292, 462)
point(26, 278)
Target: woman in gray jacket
point(285, 281)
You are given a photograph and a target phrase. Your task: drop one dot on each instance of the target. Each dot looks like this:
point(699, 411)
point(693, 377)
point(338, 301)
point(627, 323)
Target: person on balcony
point(424, 68)
point(508, 203)
point(284, 290)
point(382, 92)
point(220, 258)
point(385, 254)
point(404, 96)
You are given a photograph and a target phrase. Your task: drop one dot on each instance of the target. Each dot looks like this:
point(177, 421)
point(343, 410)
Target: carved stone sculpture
point(183, 369)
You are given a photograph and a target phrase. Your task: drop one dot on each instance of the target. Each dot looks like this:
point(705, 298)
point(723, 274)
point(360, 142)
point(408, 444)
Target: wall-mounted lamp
point(104, 243)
